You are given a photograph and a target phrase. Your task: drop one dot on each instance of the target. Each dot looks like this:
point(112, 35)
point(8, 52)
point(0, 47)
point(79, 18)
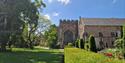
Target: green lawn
point(75, 55)
point(21, 55)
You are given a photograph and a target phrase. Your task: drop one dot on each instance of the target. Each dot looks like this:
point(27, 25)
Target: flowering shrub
point(114, 53)
point(108, 54)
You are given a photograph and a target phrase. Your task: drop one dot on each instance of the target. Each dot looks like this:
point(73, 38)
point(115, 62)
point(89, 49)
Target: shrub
point(82, 43)
point(69, 45)
point(76, 43)
point(119, 43)
point(87, 45)
point(79, 44)
point(92, 44)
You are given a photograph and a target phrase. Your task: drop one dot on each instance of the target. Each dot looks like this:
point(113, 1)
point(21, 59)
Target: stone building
point(105, 30)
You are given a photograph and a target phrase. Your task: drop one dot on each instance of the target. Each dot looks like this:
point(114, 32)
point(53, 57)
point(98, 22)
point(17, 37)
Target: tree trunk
point(30, 41)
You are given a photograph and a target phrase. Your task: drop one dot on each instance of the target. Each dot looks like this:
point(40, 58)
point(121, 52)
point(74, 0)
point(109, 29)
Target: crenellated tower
point(67, 31)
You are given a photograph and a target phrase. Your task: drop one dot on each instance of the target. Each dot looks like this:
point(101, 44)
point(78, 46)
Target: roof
point(103, 21)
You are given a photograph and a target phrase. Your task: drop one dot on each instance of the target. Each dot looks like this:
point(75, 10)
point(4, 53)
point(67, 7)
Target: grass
point(75, 55)
point(22, 55)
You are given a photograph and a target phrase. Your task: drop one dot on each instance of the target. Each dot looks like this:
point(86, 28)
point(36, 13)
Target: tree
point(51, 36)
point(20, 12)
point(123, 28)
point(43, 25)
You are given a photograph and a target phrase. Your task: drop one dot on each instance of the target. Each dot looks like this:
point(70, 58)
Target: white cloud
point(55, 14)
point(47, 16)
point(114, 1)
point(65, 2)
point(50, 1)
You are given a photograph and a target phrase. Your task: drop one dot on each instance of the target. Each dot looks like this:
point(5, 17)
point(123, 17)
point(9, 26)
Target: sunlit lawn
point(75, 55)
point(21, 55)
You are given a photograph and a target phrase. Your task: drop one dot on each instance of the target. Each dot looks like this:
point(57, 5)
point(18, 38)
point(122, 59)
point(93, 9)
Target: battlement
point(68, 21)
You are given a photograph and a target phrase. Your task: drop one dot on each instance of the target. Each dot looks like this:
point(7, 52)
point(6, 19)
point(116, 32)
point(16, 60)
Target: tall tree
point(51, 36)
point(20, 12)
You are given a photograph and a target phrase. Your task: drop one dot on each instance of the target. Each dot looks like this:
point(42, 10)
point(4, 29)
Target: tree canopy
point(22, 16)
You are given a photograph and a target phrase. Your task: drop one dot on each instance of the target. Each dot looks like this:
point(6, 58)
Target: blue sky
point(73, 9)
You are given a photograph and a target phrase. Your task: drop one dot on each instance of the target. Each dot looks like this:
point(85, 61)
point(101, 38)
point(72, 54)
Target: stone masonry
point(105, 30)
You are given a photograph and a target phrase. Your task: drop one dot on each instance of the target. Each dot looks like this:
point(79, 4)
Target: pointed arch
point(68, 36)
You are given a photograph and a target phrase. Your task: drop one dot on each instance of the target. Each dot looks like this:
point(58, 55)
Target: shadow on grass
point(30, 57)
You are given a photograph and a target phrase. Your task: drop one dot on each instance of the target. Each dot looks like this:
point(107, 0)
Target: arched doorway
point(68, 37)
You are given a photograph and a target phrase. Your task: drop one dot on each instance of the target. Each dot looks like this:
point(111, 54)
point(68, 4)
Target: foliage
point(77, 43)
point(92, 43)
point(119, 43)
point(82, 43)
point(19, 13)
point(75, 55)
point(25, 55)
point(51, 36)
point(114, 53)
point(87, 45)
point(69, 45)
point(43, 26)
point(123, 40)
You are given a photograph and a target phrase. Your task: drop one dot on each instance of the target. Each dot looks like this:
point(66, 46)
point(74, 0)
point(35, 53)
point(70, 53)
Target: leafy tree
point(43, 24)
point(123, 39)
point(20, 12)
point(51, 36)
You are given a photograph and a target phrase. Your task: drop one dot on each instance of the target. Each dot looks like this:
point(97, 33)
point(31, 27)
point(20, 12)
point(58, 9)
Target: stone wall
point(109, 34)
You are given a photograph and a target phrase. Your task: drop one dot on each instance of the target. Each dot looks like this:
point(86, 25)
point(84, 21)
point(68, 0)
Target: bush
point(79, 44)
point(119, 43)
point(82, 43)
point(69, 45)
point(76, 43)
point(87, 45)
point(92, 44)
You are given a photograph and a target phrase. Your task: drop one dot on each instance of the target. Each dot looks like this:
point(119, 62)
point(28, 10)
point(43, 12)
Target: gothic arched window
point(112, 34)
point(68, 36)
